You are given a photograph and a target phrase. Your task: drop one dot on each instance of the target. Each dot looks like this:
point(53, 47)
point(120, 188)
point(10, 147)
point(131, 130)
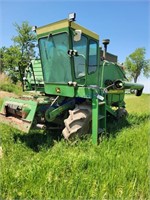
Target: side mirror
point(77, 36)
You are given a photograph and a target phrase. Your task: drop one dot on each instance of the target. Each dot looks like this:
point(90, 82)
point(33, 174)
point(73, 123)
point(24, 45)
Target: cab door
point(92, 63)
point(80, 61)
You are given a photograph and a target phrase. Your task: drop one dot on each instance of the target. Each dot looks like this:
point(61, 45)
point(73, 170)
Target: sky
point(125, 23)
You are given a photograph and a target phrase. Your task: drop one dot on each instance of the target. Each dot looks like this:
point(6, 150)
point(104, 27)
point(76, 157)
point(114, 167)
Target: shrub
point(7, 85)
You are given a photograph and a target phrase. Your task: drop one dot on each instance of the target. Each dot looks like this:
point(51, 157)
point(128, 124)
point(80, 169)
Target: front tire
point(78, 122)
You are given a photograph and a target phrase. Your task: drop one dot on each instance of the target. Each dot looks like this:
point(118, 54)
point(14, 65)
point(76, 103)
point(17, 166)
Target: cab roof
point(43, 30)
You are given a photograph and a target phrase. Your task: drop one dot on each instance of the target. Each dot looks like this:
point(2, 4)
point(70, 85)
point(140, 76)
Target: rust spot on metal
point(16, 123)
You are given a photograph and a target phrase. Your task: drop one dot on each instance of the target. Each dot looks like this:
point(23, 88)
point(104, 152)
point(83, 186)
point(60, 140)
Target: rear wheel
point(121, 113)
point(138, 92)
point(78, 122)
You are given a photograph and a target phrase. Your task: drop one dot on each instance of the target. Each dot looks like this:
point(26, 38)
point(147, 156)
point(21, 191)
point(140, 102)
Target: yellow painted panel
point(64, 24)
point(115, 91)
point(84, 30)
point(52, 27)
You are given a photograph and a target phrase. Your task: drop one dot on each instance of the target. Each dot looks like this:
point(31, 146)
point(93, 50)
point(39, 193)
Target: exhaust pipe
point(105, 43)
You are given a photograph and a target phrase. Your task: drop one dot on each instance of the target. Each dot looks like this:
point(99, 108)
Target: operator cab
point(69, 54)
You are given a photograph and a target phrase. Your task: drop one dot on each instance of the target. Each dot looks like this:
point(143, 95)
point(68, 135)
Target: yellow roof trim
point(84, 30)
point(52, 27)
point(64, 24)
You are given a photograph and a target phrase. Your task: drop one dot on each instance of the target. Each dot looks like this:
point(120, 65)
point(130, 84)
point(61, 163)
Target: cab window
point(80, 61)
point(92, 66)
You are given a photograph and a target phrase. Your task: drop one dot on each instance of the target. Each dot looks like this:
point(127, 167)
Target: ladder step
point(101, 117)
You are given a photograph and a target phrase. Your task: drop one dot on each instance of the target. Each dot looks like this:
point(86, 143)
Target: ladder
point(98, 119)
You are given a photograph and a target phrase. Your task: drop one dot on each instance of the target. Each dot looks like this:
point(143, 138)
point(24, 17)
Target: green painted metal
point(33, 77)
point(83, 78)
point(52, 112)
point(37, 69)
point(110, 71)
point(102, 117)
point(95, 123)
point(111, 111)
point(115, 97)
point(18, 113)
point(84, 92)
point(98, 119)
point(129, 85)
point(59, 90)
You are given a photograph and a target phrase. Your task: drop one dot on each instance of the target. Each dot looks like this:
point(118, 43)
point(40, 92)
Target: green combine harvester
point(74, 86)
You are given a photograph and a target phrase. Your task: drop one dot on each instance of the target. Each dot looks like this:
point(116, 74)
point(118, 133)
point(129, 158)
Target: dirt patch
point(4, 94)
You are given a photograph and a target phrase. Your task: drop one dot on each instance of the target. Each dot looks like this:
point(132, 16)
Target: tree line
point(23, 51)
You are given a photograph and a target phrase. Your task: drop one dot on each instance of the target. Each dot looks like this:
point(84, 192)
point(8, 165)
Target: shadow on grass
point(114, 125)
point(37, 140)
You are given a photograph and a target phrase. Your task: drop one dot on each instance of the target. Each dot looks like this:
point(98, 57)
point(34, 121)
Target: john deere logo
point(58, 90)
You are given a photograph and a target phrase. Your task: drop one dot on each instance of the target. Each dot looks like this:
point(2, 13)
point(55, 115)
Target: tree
point(137, 64)
point(25, 40)
point(2, 52)
point(10, 59)
point(20, 53)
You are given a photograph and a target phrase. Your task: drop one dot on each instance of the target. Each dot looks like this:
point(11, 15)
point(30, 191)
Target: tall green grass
point(7, 85)
point(34, 166)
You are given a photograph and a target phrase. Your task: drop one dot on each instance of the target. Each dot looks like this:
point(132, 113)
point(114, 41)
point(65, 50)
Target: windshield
point(55, 60)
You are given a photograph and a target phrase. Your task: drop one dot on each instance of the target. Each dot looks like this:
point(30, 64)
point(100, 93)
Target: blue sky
point(125, 23)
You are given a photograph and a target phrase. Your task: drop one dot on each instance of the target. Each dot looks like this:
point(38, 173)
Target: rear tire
point(121, 113)
point(138, 92)
point(78, 122)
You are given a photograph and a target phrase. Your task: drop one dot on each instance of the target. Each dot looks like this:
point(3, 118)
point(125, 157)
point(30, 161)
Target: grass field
point(35, 166)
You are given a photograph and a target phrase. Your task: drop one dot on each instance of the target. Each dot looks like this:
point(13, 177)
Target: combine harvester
point(76, 85)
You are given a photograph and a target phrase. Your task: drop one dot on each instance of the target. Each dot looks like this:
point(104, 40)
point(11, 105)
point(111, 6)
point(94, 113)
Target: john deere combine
point(75, 85)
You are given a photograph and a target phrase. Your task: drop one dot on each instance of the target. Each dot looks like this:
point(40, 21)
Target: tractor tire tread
point(77, 122)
